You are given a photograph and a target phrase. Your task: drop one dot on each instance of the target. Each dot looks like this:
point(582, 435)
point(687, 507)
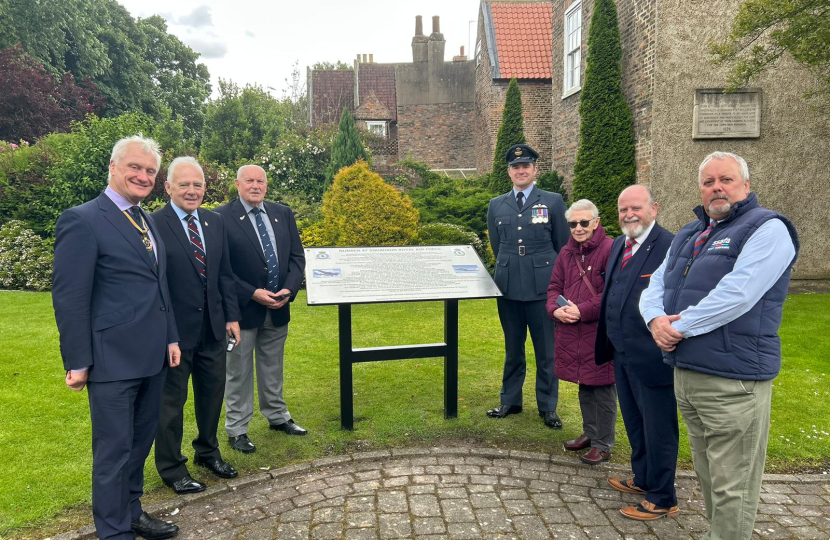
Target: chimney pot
point(462, 51)
point(364, 58)
point(419, 26)
point(436, 26)
point(358, 57)
point(371, 58)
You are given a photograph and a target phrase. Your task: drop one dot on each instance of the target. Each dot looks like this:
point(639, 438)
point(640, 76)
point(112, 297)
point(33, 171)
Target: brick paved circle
point(461, 493)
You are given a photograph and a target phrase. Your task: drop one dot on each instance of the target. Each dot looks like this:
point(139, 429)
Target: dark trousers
point(650, 417)
point(599, 414)
point(124, 418)
point(516, 319)
point(206, 363)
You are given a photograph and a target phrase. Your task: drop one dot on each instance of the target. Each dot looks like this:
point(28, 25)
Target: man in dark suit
point(203, 292)
point(268, 263)
point(117, 333)
point(644, 383)
point(527, 230)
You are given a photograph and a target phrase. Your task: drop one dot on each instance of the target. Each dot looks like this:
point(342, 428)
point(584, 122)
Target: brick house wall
point(438, 134)
point(636, 22)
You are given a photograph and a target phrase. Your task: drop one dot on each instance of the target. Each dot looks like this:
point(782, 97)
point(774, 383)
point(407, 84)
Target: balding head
point(251, 184)
point(637, 210)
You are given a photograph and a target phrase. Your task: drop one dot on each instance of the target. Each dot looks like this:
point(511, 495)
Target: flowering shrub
point(297, 164)
point(25, 260)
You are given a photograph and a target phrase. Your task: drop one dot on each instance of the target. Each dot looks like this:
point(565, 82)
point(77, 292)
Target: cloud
point(249, 34)
point(198, 18)
point(208, 46)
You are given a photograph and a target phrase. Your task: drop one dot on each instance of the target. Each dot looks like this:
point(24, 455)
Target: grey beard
point(637, 230)
point(725, 210)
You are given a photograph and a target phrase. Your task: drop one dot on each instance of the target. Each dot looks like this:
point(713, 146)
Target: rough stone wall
point(439, 134)
point(636, 20)
point(788, 163)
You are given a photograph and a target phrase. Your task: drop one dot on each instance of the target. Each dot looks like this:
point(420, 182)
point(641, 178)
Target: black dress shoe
point(551, 419)
point(185, 485)
point(217, 466)
point(289, 427)
point(504, 410)
point(153, 529)
point(242, 443)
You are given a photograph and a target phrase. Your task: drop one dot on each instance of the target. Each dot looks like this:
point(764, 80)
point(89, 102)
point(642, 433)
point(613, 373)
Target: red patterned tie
point(628, 253)
point(702, 239)
point(198, 247)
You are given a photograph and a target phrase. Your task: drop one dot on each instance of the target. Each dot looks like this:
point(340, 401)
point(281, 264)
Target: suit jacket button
point(200, 309)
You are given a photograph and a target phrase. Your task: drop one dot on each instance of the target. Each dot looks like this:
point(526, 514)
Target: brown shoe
point(648, 511)
point(626, 486)
point(580, 443)
point(595, 456)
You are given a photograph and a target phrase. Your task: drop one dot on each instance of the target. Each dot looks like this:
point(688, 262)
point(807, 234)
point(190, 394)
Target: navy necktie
point(268, 250)
point(520, 199)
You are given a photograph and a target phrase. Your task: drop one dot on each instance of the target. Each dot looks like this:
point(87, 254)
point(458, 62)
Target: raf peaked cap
point(521, 153)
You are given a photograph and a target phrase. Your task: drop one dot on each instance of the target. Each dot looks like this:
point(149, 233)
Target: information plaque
point(718, 115)
point(365, 275)
point(362, 275)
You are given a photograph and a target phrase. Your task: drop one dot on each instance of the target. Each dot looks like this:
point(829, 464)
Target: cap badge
point(518, 152)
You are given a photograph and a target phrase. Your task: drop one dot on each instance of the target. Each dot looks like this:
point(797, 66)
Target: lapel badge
point(241, 218)
point(205, 223)
point(539, 214)
point(276, 220)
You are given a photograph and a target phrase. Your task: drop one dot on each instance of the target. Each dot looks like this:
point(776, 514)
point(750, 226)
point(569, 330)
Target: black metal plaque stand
point(350, 356)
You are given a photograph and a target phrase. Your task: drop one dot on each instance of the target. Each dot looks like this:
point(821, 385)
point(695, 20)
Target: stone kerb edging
point(571, 466)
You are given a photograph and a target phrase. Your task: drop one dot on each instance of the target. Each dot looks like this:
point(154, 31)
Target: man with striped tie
point(645, 385)
point(203, 291)
point(714, 307)
point(268, 263)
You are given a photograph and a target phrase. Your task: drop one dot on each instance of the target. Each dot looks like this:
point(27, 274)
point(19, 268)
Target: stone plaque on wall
point(718, 115)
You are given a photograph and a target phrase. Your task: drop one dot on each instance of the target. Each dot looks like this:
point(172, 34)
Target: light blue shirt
point(766, 255)
point(526, 191)
point(267, 220)
point(182, 215)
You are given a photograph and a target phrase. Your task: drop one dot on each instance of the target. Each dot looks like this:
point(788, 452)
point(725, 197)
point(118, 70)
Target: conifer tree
point(347, 147)
point(511, 132)
point(605, 163)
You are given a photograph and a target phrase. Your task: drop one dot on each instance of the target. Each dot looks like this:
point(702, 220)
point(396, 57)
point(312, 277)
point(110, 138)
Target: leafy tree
point(554, 182)
point(328, 66)
point(241, 123)
point(347, 147)
point(765, 30)
point(180, 83)
point(35, 102)
point(511, 132)
point(360, 209)
point(605, 162)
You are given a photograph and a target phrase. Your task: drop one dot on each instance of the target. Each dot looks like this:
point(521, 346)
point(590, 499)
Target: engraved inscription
point(727, 116)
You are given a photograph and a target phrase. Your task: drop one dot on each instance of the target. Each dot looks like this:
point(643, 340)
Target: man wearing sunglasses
point(527, 230)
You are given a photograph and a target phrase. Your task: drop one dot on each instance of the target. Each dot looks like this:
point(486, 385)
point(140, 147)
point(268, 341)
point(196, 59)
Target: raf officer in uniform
point(527, 228)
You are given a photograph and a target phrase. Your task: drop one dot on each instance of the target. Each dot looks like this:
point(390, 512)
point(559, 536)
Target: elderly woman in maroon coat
point(579, 277)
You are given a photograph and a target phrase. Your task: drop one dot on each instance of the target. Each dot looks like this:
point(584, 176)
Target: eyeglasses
point(584, 223)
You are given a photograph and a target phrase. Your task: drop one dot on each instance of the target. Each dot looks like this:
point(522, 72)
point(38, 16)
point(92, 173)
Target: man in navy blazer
point(644, 383)
point(117, 333)
point(204, 297)
point(268, 263)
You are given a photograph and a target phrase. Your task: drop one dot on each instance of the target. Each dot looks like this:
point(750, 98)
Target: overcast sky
point(258, 41)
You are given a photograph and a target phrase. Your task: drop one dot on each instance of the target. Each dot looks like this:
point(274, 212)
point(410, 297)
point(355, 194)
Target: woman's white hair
point(724, 155)
point(148, 145)
point(582, 204)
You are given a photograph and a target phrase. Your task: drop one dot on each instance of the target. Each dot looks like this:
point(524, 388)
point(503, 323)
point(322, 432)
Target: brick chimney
point(436, 43)
point(419, 42)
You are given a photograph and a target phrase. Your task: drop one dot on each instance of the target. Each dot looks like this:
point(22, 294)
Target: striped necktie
point(268, 250)
point(627, 253)
point(702, 239)
point(198, 247)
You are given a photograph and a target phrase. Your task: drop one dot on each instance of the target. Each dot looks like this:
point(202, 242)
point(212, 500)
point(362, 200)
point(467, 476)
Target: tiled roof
point(378, 79)
point(523, 33)
point(332, 91)
point(372, 109)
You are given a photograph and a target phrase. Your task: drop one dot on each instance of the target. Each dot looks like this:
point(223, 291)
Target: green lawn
point(45, 433)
